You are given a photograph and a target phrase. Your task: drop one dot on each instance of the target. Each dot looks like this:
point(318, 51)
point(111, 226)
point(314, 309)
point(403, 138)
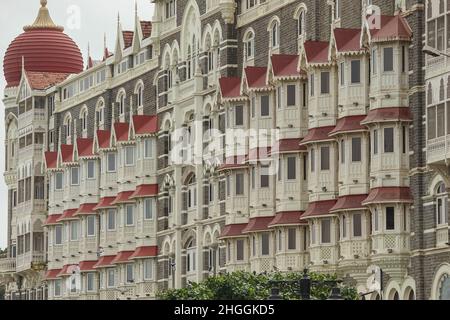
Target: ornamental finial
point(44, 3)
point(43, 20)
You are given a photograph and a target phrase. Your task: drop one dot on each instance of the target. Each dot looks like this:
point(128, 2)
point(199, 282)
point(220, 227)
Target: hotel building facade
point(231, 135)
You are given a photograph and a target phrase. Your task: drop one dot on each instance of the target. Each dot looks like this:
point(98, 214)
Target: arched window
point(275, 35)
point(99, 112)
point(441, 6)
point(249, 45)
point(121, 103)
point(192, 192)
point(83, 119)
point(429, 9)
point(190, 256)
point(337, 9)
point(140, 95)
point(68, 127)
point(441, 204)
point(301, 23)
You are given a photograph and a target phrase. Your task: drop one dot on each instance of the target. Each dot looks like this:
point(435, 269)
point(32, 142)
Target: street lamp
point(434, 52)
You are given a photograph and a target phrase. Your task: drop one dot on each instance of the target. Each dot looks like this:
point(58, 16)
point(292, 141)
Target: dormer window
point(170, 8)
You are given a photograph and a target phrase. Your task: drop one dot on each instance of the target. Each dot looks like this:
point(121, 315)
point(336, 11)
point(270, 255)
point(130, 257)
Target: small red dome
point(44, 48)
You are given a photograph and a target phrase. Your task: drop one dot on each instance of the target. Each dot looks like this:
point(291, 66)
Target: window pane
point(91, 225)
point(390, 218)
point(264, 244)
point(240, 250)
point(148, 148)
point(291, 174)
point(111, 162)
point(326, 229)
point(356, 149)
point(388, 59)
point(129, 215)
point(342, 151)
point(431, 122)
point(111, 220)
point(357, 232)
point(90, 169)
point(265, 106)
point(129, 155)
point(388, 139)
point(313, 160)
point(75, 176)
point(59, 181)
point(148, 209)
point(342, 73)
point(356, 71)
point(291, 91)
point(440, 120)
point(239, 184)
point(264, 177)
point(58, 234)
point(129, 273)
point(292, 239)
point(375, 141)
point(148, 269)
point(324, 82)
point(239, 116)
point(325, 158)
point(311, 84)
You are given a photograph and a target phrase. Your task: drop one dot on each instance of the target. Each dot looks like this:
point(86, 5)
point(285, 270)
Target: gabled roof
point(44, 80)
point(285, 65)
point(66, 153)
point(127, 38)
point(392, 28)
point(144, 124)
point(347, 40)
point(51, 159)
point(85, 147)
point(144, 252)
point(256, 77)
point(104, 139)
point(67, 270)
point(316, 51)
point(121, 131)
point(146, 27)
point(230, 87)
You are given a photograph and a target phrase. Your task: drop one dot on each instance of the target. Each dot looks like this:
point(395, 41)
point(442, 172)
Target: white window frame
point(90, 219)
point(72, 170)
point(148, 208)
point(127, 212)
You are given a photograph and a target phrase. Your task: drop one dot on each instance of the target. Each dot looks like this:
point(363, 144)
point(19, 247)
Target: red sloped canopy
point(284, 65)
point(389, 195)
point(347, 40)
point(144, 252)
point(392, 28)
point(287, 146)
point(44, 80)
point(51, 159)
point(105, 203)
point(52, 274)
point(86, 266)
point(260, 153)
point(316, 51)
point(52, 220)
point(68, 215)
point(128, 38)
point(233, 230)
point(230, 87)
point(103, 138)
point(104, 262)
point(67, 270)
point(317, 134)
point(318, 208)
point(67, 153)
point(348, 124)
point(86, 209)
point(349, 202)
point(144, 124)
point(235, 162)
point(122, 257)
point(256, 77)
point(145, 190)
point(287, 218)
point(123, 197)
point(388, 114)
point(84, 146)
point(146, 27)
point(257, 224)
point(121, 130)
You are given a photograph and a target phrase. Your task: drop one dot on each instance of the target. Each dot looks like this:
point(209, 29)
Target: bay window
point(148, 269)
point(326, 231)
point(90, 230)
point(129, 215)
point(148, 209)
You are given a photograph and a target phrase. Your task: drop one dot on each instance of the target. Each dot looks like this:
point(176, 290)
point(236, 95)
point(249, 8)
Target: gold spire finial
point(43, 20)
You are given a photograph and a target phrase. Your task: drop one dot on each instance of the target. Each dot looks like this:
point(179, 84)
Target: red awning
point(122, 257)
point(86, 209)
point(104, 139)
point(317, 134)
point(68, 215)
point(233, 231)
point(287, 146)
point(144, 252)
point(68, 270)
point(347, 40)
point(257, 224)
point(66, 153)
point(284, 65)
point(286, 218)
point(105, 203)
point(230, 87)
point(85, 147)
point(391, 28)
point(235, 162)
point(123, 197)
point(350, 202)
point(318, 208)
point(348, 124)
point(52, 220)
point(145, 190)
point(51, 159)
point(121, 130)
point(104, 262)
point(256, 77)
point(392, 114)
point(316, 51)
point(259, 154)
point(52, 274)
point(389, 195)
point(144, 124)
point(86, 266)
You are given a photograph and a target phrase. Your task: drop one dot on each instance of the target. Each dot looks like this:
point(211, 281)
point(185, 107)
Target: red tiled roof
point(316, 51)
point(128, 38)
point(123, 197)
point(388, 114)
point(349, 202)
point(233, 230)
point(84, 146)
point(256, 77)
point(67, 270)
point(86, 209)
point(388, 195)
point(317, 134)
point(257, 224)
point(260, 153)
point(392, 28)
point(52, 274)
point(318, 208)
point(348, 124)
point(230, 87)
point(145, 190)
point(284, 65)
point(347, 40)
point(44, 80)
point(144, 252)
point(145, 124)
point(52, 220)
point(51, 159)
point(146, 27)
point(286, 218)
point(122, 257)
point(287, 145)
point(68, 215)
point(105, 203)
point(234, 162)
point(67, 153)
point(86, 266)
point(121, 131)
point(104, 262)
point(103, 138)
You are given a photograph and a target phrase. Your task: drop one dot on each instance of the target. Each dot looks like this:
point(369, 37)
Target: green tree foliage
point(248, 286)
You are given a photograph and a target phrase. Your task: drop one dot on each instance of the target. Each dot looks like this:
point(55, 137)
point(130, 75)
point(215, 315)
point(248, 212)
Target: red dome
point(44, 47)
